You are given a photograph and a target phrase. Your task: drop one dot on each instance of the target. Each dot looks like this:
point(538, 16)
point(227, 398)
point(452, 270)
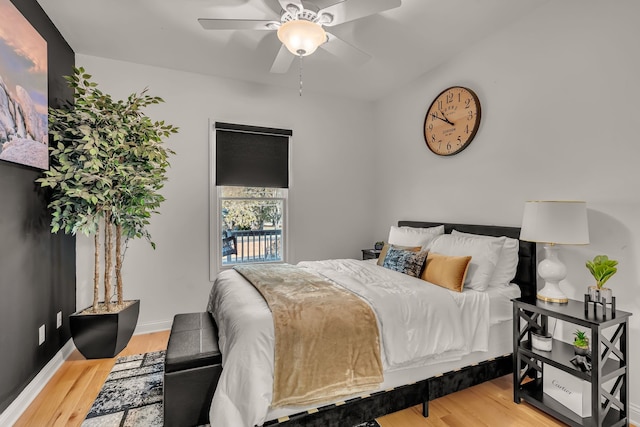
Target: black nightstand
point(609, 375)
point(371, 253)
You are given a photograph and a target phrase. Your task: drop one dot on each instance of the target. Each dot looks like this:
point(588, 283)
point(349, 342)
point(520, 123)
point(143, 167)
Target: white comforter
point(419, 323)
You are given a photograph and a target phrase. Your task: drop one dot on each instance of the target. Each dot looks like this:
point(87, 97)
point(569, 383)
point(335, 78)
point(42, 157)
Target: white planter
point(600, 295)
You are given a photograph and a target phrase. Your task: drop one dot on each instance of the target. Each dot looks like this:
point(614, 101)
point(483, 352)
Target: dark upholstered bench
point(193, 364)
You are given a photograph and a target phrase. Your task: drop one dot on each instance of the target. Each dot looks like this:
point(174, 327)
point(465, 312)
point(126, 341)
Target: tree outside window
point(251, 224)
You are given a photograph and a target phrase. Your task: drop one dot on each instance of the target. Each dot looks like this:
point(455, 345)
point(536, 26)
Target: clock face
point(452, 121)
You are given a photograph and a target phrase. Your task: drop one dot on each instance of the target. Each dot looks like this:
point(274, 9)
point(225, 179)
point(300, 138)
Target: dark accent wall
point(37, 269)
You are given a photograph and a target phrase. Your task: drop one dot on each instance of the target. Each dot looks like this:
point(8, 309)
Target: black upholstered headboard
point(526, 273)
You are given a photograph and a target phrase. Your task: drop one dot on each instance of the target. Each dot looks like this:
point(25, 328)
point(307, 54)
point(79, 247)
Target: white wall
point(560, 96)
point(331, 168)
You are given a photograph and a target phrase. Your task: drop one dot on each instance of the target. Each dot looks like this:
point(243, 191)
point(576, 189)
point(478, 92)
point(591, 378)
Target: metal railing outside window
point(254, 246)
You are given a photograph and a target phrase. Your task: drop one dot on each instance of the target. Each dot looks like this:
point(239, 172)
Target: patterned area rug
point(132, 394)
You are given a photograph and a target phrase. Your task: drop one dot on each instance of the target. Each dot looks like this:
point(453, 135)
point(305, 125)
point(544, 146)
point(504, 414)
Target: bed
point(243, 395)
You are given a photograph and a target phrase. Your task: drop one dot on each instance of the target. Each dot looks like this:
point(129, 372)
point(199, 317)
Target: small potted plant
point(378, 245)
point(601, 268)
point(581, 343)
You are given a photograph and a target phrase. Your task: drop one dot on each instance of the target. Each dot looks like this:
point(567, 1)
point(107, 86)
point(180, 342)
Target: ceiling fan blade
point(356, 9)
point(344, 50)
point(237, 24)
point(323, 4)
point(283, 61)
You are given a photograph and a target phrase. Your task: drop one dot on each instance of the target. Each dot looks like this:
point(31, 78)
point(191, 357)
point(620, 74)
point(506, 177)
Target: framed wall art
point(23, 91)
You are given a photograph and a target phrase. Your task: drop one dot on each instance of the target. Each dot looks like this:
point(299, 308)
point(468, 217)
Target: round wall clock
point(452, 121)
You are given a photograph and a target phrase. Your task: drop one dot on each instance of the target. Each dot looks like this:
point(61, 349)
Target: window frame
point(215, 206)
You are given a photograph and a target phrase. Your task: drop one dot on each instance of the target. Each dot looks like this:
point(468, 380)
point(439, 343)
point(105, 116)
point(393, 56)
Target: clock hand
point(438, 117)
point(445, 118)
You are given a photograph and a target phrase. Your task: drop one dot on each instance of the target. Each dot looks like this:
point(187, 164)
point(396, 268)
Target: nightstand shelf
point(371, 253)
point(608, 379)
point(560, 356)
point(532, 394)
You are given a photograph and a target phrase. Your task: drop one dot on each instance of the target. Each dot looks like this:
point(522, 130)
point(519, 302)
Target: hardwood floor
point(66, 399)
point(68, 396)
point(488, 404)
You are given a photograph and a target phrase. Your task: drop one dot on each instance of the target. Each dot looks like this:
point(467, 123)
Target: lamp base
point(554, 300)
point(552, 270)
point(552, 294)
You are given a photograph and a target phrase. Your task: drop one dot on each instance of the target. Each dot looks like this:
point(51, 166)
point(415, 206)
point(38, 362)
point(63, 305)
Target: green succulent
point(602, 268)
point(581, 340)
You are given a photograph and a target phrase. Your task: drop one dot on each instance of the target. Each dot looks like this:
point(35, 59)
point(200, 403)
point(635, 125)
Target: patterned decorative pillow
point(405, 261)
point(385, 248)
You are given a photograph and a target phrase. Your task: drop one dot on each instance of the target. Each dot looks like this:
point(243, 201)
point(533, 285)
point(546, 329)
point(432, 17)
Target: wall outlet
point(58, 320)
point(40, 335)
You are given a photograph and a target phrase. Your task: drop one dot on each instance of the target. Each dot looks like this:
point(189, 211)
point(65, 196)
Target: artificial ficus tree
point(108, 164)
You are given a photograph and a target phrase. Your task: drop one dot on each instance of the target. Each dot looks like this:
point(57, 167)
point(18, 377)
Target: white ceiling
point(404, 43)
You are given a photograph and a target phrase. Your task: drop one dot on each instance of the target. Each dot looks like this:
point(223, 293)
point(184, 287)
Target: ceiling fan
point(301, 27)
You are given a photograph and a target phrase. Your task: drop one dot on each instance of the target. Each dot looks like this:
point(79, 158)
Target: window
point(252, 224)
point(250, 180)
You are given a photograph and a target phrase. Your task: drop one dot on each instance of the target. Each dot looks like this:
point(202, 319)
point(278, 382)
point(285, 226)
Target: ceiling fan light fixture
point(301, 37)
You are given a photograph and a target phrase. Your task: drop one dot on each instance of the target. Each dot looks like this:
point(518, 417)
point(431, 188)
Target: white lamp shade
point(301, 37)
point(557, 222)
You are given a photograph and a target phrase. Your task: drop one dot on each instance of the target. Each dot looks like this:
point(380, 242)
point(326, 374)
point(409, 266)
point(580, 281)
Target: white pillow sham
point(414, 236)
point(507, 262)
point(484, 256)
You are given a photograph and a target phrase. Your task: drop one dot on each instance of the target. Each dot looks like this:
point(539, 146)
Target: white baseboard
point(634, 414)
point(147, 328)
point(10, 415)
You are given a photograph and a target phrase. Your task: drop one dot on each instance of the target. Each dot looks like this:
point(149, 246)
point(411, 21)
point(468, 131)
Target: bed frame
point(358, 410)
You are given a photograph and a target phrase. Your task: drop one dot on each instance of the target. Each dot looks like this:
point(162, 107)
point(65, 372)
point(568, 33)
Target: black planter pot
point(99, 336)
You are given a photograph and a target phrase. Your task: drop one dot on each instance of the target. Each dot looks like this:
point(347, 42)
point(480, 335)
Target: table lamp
point(554, 223)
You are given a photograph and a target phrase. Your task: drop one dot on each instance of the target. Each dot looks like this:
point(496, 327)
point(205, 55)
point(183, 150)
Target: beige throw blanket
point(326, 338)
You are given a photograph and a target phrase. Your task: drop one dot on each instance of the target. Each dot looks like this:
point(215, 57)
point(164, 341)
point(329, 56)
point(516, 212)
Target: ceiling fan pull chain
point(300, 74)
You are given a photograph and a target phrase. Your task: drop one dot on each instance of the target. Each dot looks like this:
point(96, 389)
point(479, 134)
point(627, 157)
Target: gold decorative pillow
point(446, 271)
point(385, 249)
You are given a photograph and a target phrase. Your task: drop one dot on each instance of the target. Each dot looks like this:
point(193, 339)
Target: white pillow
point(414, 236)
point(484, 256)
point(507, 263)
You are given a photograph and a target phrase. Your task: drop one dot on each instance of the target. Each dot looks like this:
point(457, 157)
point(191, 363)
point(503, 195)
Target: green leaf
point(107, 160)
point(602, 268)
